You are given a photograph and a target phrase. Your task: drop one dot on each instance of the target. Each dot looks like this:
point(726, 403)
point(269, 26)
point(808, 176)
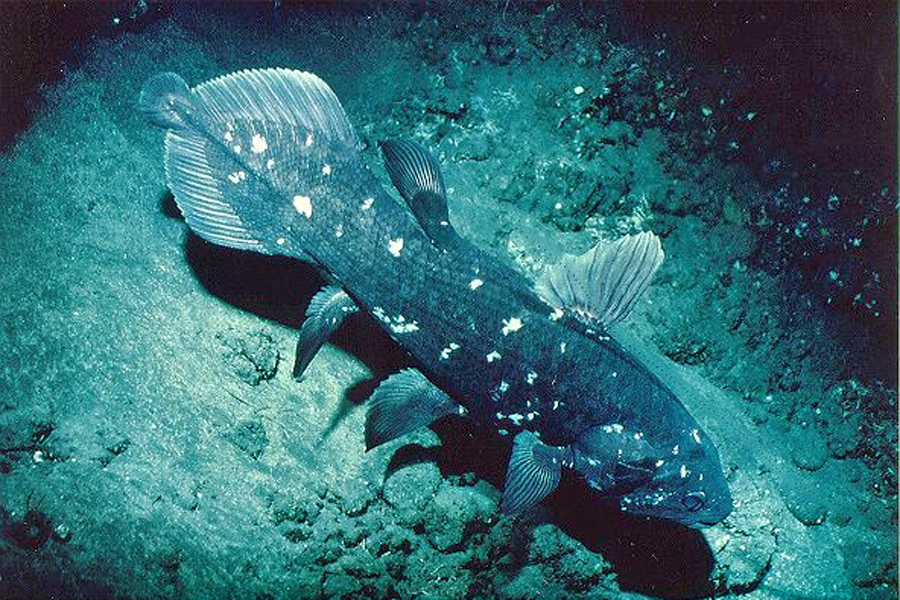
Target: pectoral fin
point(533, 472)
point(402, 403)
point(611, 457)
point(326, 311)
point(602, 285)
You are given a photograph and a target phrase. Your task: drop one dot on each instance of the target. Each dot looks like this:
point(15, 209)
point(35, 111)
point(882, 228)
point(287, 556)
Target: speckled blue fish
point(266, 160)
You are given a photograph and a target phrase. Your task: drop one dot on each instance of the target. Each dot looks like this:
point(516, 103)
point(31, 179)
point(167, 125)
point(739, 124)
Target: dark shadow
point(279, 288)
point(42, 40)
point(274, 287)
point(653, 557)
point(411, 454)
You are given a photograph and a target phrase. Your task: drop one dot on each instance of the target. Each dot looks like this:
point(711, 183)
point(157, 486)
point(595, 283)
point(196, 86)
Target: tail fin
point(166, 100)
point(237, 144)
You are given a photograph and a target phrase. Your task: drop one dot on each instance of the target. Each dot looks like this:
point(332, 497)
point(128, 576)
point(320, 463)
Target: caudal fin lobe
point(165, 101)
point(241, 146)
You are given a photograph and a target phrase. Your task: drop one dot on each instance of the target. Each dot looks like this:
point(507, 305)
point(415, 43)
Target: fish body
point(267, 161)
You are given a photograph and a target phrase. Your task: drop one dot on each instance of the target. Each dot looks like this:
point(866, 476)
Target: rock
point(249, 436)
point(411, 487)
point(457, 512)
point(809, 450)
point(868, 562)
point(805, 497)
point(253, 357)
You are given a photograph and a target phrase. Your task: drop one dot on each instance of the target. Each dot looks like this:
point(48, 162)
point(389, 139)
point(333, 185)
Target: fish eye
point(693, 501)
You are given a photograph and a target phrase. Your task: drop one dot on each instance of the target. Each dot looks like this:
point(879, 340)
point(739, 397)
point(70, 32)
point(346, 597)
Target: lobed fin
point(533, 472)
point(402, 403)
point(326, 311)
point(615, 457)
point(603, 285)
point(417, 176)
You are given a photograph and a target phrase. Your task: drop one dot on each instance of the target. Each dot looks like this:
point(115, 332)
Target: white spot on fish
point(237, 177)
point(516, 418)
point(683, 471)
point(280, 241)
point(396, 324)
point(367, 203)
point(339, 230)
point(475, 284)
point(530, 416)
point(614, 428)
point(309, 139)
point(303, 204)
point(639, 435)
point(395, 246)
point(228, 136)
point(660, 463)
point(236, 148)
point(405, 327)
point(258, 144)
point(504, 386)
point(675, 450)
point(503, 431)
point(555, 404)
point(494, 355)
point(445, 353)
point(510, 325)
point(326, 170)
point(557, 314)
point(562, 348)
point(614, 374)
point(696, 435)
point(270, 164)
point(530, 377)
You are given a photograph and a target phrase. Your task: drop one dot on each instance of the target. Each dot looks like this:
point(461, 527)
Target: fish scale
point(267, 161)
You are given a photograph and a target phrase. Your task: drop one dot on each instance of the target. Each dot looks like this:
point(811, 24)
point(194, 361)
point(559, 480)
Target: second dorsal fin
point(417, 176)
point(602, 285)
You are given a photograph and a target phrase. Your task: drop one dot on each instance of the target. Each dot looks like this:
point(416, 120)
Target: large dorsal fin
point(417, 176)
point(602, 285)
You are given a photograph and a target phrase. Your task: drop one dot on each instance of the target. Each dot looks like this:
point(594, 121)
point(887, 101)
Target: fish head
point(684, 483)
point(687, 486)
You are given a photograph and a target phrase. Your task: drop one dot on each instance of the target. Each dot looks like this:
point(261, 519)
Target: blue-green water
point(154, 443)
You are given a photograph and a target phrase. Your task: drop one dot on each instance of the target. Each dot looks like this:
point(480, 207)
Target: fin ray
point(533, 472)
point(402, 403)
point(226, 139)
point(417, 176)
point(199, 197)
point(603, 285)
point(326, 311)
